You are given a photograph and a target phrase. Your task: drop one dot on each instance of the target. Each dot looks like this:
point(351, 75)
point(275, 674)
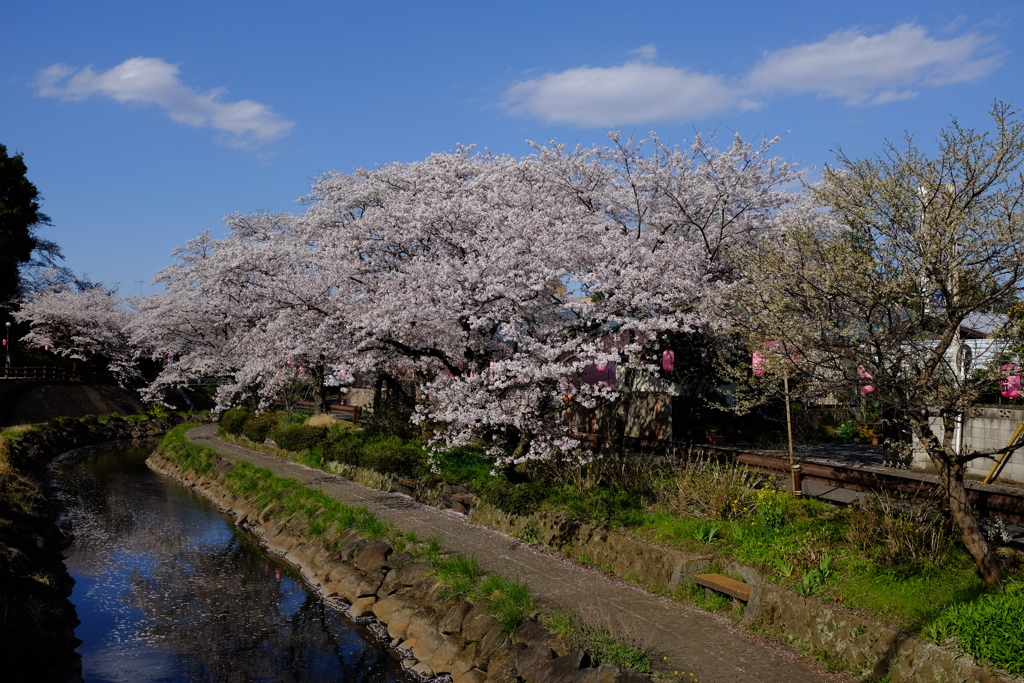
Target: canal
point(167, 589)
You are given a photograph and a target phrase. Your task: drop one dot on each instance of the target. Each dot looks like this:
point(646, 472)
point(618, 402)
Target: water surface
point(168, 590)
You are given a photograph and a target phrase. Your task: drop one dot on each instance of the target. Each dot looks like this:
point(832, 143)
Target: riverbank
point(37, 630)
point(683, 638)
point(690, 638)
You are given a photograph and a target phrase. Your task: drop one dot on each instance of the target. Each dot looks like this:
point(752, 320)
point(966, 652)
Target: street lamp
point(7, 345)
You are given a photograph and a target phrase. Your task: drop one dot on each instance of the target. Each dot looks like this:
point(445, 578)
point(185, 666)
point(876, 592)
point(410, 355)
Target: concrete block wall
point(985, 427)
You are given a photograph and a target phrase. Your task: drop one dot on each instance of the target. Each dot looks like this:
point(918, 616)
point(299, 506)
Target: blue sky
point(143, 124)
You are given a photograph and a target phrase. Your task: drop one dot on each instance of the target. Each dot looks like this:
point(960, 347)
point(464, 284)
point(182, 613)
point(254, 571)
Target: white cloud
point(849, 65)
point(646, 52)
point(633, 93)
point(875, 69)
point(147, 80)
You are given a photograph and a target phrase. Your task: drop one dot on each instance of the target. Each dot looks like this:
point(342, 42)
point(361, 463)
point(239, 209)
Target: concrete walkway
point(693, 641)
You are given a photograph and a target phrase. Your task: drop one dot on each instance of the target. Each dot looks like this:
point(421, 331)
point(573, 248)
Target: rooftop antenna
point(140, 287)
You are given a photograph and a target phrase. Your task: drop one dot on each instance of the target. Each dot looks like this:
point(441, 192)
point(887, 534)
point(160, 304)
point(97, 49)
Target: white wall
point(984, 428)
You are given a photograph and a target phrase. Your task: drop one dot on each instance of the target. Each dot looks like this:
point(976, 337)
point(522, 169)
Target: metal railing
point(52, 373)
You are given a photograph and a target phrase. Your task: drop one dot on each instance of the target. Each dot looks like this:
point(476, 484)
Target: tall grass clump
point(894, 532)
point(715, 490)
point(508, 600)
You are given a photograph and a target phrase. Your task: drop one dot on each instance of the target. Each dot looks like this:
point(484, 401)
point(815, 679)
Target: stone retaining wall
point(437, 634)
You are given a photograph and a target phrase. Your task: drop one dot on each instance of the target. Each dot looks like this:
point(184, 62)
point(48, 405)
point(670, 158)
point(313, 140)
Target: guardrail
point(52, 373)
point(1006, 502)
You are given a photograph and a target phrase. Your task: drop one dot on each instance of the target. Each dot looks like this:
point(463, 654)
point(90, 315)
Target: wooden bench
point(723, 584)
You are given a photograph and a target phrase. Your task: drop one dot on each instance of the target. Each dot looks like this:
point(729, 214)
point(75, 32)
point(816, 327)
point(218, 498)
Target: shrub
point(463, 464)
point(258, 427)
point(344, 447)
point(298, 437)
point(380, 452)
point(515, 499)
point(234, 419)
point(393, 454)
point(296, 418)
point(62, 423)
point(157, 411)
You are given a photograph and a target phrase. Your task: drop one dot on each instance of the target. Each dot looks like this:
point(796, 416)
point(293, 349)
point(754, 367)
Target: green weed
point(597, 643)
point(990, 628)
point(187, 455)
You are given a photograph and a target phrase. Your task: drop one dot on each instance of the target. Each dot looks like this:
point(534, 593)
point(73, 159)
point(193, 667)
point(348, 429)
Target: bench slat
point(724, 584)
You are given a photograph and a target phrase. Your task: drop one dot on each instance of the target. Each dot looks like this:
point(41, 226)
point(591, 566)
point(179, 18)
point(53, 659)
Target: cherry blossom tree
point(85, 324)
point(480, 288)
point(248, 310)
point(501, 281)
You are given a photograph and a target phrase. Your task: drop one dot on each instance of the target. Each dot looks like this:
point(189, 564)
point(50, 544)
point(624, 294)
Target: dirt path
point(693, 641)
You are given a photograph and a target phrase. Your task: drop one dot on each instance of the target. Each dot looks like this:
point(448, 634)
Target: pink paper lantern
point(1010, 386)
point(668, 360)
point(759, 361)
point(863, 374)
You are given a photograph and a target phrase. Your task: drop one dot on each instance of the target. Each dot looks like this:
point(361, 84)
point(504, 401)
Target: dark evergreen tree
point(19, 216)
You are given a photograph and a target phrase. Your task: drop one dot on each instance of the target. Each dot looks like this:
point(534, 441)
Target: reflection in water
point(168, 590)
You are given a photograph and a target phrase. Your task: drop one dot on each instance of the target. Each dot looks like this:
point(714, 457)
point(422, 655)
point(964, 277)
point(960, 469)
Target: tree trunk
point(951, 476)
point(618, 420)
point(319, 395)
